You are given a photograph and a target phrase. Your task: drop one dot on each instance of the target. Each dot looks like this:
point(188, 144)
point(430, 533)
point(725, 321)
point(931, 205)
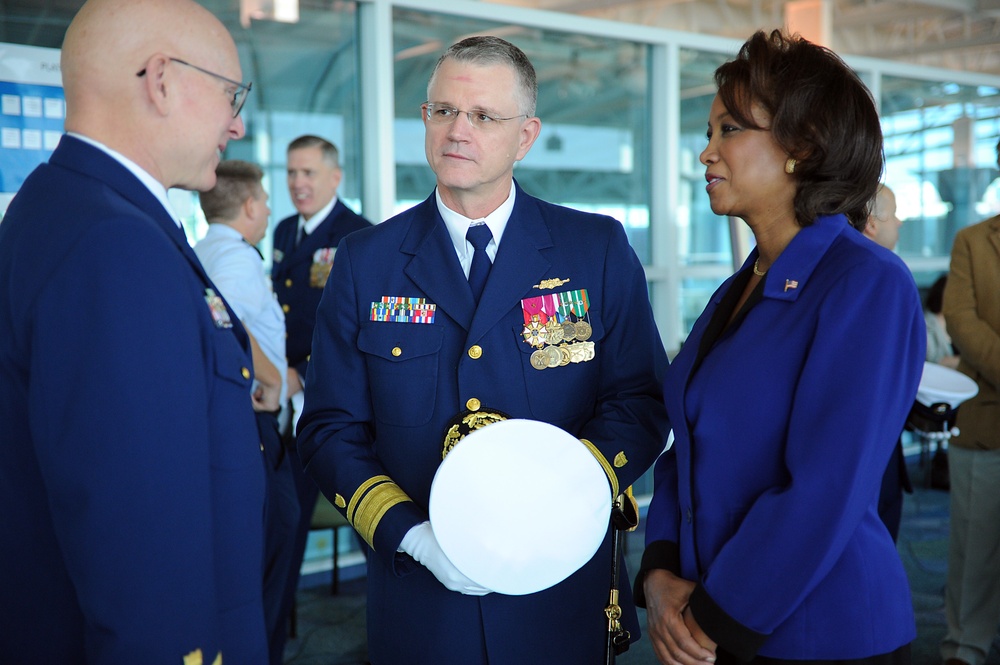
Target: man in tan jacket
point(972, 314)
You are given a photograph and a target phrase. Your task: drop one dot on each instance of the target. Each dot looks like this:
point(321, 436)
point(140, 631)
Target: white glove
point(420, 543)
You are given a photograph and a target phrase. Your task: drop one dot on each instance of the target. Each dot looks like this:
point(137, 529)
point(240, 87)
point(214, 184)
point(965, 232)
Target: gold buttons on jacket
point(476, 352)
point(339, 501)
point(261, 446)
point(396, 351)
point(285, 308)
point(473, 404)
point(288, 282)
point(245, 372)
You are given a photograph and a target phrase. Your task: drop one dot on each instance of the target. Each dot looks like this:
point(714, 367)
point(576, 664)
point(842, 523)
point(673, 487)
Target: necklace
point(756, 270)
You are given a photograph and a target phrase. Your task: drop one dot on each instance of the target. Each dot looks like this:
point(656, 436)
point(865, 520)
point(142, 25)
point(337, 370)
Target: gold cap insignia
point(467, 422)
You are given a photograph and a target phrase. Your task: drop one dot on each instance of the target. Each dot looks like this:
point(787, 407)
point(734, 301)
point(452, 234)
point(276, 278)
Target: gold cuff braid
point(370, 503)
point(608, 469)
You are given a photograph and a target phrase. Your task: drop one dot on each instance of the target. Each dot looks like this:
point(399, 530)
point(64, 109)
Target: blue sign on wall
point(31, 122)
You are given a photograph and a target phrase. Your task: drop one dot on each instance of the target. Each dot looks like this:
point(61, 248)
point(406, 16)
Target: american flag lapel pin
point(791, 284)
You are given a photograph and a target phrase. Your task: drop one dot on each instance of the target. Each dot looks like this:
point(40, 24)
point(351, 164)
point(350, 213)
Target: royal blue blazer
point(380, 394)
point(131, 473)
point(783, 428)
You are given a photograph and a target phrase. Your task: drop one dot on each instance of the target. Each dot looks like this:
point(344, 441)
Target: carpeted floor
point(331, 629)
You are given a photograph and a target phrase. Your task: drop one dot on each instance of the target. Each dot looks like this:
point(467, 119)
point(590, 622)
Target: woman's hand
point(676, 636)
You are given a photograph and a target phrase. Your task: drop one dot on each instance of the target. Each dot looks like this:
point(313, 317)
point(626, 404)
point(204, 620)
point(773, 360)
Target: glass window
point(940, 141)
point(305, 81)
point(593, 152)
point(704, 242)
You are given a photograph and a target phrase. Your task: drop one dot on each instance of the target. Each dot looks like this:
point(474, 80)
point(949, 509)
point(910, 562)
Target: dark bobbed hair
point(235, 182)
point(490, 50)
point(821, 114)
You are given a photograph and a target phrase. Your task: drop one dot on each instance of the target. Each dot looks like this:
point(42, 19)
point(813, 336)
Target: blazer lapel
point(284, 242)
point(434, 267)
point(318, 239)
point(83, 157)
point(519, 264)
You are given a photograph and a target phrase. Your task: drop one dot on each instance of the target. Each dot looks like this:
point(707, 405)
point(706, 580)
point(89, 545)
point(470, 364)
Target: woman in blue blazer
point(763, 537)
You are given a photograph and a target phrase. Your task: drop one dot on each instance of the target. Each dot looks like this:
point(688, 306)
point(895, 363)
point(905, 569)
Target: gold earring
point(790, 166)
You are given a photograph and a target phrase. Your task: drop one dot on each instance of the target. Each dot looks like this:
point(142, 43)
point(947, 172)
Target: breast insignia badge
point(550, 283)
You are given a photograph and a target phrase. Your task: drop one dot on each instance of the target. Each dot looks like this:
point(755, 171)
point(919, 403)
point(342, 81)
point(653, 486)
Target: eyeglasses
point(442, 114)
point(239, 95)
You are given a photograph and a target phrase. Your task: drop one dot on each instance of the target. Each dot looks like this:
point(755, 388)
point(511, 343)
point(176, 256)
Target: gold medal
point(539, 359)
point(555, 331)
point(569, 331)
point(564, 352)
point(588, 351)
point(534, 333)
point(554, 357)
point(583, 330)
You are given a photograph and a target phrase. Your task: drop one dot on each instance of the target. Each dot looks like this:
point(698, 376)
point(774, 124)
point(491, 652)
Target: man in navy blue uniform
point(131, 471)
point(403, 343)
point(304, 247)
point(237, 213)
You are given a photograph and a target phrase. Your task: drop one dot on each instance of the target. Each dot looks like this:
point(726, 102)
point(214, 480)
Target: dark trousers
point(305, 492)
point(281, 519)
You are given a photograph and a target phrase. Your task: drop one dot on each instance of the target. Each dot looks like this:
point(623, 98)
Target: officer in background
point(131, 472)
point(481, 297)
point(304, 247)
point(237, 213)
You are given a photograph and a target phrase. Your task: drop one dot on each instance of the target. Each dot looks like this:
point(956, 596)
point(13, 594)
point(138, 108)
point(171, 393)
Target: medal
point(217, 308)
point(534, 333)
point(533, 310)
point(550, 309)
point(539, 360)
point(564, 352)
point(553, 356)
point(555, 331)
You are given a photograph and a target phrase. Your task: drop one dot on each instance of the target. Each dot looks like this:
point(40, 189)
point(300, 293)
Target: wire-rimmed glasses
point(239, 95)
point(445, 114)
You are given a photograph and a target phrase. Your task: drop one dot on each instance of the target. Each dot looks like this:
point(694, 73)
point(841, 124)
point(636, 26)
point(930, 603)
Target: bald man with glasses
point(131, 468)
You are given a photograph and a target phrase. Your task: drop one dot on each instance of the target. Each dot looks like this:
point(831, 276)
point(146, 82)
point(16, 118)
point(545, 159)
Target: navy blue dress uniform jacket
point(379, 396)
point(290, 275)
point(783, 428)
point(131, 472)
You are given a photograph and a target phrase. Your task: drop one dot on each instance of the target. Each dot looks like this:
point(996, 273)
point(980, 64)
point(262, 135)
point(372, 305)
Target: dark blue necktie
point(479, 236)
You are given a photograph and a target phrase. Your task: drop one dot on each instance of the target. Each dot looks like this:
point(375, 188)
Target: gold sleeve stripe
point(196, 658)
point(365, 486)
point(599, 456)
point(374, 507)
